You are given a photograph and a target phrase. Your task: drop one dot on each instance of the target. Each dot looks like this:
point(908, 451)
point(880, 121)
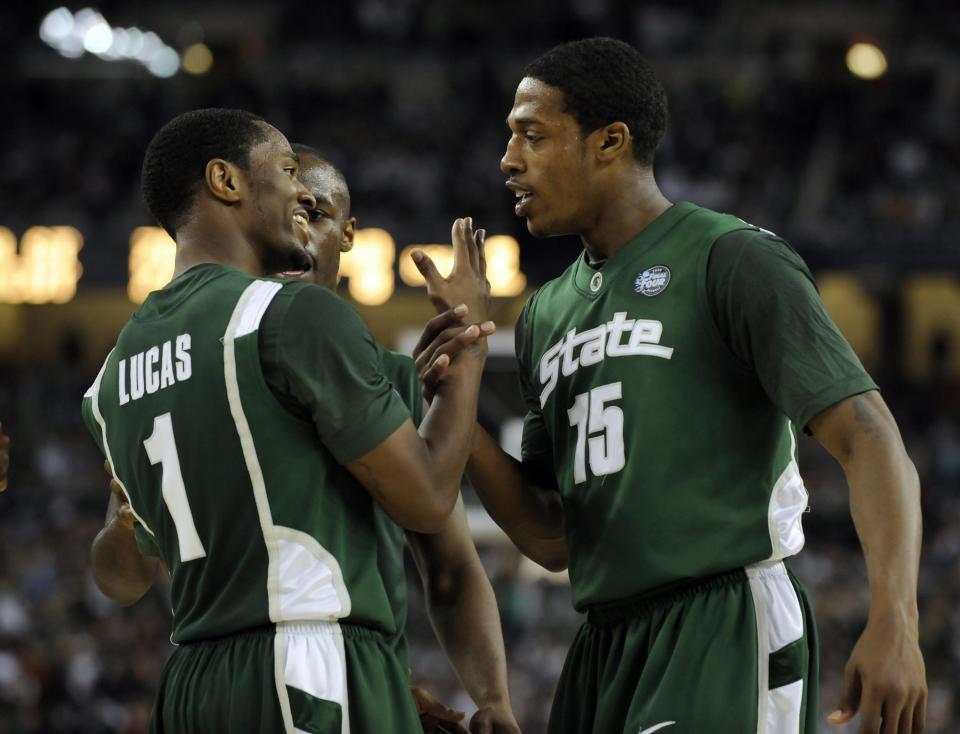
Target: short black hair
point(304, 151)
point(603, 81)
point(177, 157)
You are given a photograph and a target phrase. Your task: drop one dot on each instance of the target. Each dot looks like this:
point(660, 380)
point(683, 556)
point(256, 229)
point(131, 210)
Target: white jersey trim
point(788, 502)
point(325, 676)
point(93, 392)
point(779, 619)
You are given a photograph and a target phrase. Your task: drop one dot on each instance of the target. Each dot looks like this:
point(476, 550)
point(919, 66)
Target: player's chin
point(540, 227)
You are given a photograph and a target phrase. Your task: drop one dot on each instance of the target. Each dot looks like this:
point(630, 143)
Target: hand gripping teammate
point(665, 372)
point(460, 600)
point(254, 437)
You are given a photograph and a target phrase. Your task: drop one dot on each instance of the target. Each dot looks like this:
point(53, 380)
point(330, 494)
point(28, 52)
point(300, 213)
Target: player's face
point(279, 204)
point(546, 161)
point(330, 230)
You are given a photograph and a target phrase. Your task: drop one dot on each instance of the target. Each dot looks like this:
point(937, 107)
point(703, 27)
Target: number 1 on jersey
point(589, 414)
point(162, 449)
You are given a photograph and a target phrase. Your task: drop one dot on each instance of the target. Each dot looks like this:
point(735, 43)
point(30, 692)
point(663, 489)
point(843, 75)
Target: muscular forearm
point(530, 515)
point(120, 571)
point(885, 504)
point(862, 435)
point(447, 427)
point(463, 611)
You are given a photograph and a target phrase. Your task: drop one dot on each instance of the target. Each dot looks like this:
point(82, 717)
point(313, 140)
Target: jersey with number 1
point(250, 506)
point(671, 460)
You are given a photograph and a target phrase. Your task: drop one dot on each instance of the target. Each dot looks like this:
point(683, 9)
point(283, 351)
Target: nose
point(512, 162)
point(304, 197)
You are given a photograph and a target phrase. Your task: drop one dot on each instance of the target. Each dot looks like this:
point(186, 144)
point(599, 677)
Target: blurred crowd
point(72, 662)
point(410, 97)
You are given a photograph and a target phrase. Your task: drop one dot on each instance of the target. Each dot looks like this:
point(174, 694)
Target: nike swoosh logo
point(657, 727)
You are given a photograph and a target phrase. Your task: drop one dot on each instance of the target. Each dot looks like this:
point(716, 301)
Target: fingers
point(437, 325)
point(851, 697)
point(906, 721)
point(481, 238)
point(458, 237)
point(920, 714)
point(869, 715)
point(427, 267)
point(451, 342)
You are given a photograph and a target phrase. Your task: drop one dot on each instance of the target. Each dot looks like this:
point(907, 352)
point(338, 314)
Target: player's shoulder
point(299, 300)
point(755, 246)
point(395, 363)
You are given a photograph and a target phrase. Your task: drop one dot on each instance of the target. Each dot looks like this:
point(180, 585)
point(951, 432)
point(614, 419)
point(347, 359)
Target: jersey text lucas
point(154, 369)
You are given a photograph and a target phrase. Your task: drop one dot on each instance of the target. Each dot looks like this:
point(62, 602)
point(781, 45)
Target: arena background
point(834, 124)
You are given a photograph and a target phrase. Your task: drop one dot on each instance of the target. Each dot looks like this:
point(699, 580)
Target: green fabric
point(341, 359)
point(769, 312)
point(689, 658)
point(402, 374)
point(312, 714)
point(311, 497)
point(665, 449)
point(229, 685)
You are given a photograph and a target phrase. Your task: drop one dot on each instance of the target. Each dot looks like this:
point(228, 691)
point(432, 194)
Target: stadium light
point(866, 61)
point(47, 268)
point(197, 59)
point(86, 31)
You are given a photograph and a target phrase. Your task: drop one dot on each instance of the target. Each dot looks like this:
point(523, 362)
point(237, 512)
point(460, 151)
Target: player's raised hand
point(885, 681)
point(445, 336)
point(4, 458)
point(467, 282)
point(435, 718)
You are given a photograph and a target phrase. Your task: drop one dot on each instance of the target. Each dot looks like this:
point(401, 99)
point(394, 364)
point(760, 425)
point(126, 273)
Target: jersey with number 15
point(671, 461)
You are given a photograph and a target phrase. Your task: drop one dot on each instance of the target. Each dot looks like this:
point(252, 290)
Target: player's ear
point(611, 141)
point(349, 232)
point(223, 180)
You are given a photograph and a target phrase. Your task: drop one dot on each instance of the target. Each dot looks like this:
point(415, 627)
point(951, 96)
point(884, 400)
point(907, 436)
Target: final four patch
point(652, 281)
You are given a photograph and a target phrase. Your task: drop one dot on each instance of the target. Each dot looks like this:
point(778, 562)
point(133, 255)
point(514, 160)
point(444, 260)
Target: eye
point(531, 138)
point(315, 215)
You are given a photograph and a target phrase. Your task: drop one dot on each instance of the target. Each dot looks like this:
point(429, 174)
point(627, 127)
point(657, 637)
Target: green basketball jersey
point(250, 507)
point(402, 373)
point(671, 460)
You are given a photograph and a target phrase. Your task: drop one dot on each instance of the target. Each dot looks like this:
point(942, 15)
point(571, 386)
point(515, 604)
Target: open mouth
point(523, 197)
point(300, 218)
point(523, 202)
point(302, 266)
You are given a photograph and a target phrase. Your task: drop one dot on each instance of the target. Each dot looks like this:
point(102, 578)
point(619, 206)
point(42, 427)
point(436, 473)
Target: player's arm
point(4, 458)
point(119, 569)
point(521, 497)
point(463, 611)
point(771, 315)
point(415, 476)
point(885, 676)
point(316, 350)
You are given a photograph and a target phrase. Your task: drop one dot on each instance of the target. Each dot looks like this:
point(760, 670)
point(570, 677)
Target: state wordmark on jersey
point(598, 343)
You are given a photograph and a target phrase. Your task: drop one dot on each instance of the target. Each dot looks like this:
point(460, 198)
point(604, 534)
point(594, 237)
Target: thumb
point(426, 266)
point(850, 702)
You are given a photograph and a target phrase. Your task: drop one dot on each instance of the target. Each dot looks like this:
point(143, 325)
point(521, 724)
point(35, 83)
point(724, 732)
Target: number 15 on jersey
point(591, 415)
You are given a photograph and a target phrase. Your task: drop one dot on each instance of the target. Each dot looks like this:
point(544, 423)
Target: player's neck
point(196, 246)
point(637, 202)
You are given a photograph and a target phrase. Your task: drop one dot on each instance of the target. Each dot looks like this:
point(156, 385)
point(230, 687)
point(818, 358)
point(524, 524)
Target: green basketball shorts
point(310, 678)
point(731, 654)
